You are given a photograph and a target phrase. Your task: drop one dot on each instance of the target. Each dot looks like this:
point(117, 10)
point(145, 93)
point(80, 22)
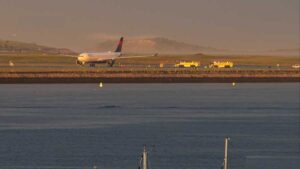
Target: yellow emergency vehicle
point(186, 64)
point(217, 64)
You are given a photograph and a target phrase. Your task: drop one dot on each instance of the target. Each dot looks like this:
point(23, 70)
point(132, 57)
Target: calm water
point(81, 125)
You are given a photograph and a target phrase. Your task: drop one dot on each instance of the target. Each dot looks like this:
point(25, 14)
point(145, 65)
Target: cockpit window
point(83, 55)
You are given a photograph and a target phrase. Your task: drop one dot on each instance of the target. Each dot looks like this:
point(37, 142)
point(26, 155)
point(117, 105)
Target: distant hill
point(22, 47)
point(291, 51)
point(155, 45)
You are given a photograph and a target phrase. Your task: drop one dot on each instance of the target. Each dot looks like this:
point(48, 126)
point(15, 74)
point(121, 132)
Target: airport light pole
point(226, 153)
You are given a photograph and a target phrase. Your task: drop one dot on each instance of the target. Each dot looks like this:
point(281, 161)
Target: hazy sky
point(78, 24)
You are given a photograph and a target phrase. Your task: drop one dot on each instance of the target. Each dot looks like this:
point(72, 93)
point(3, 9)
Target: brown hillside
point(154, 45)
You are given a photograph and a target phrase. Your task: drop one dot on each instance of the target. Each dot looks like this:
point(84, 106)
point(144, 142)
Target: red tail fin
point(119, 48)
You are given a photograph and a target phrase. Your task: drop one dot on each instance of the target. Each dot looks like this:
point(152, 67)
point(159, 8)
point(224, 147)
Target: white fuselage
point(92, 58)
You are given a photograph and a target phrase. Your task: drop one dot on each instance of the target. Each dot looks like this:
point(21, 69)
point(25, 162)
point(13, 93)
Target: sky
point(246, 25)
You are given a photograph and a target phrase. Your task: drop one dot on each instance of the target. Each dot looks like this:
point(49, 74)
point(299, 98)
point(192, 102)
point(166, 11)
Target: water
point(81, 125)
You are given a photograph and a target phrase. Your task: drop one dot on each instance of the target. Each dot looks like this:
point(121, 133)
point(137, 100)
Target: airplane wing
point(132, 57)
point(73, 56)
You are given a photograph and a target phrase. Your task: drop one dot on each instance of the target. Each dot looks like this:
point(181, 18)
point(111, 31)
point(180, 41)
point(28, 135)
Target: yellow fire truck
point(187, 64)
point(216, 64)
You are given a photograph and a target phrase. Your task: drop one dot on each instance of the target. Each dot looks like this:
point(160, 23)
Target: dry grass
point(206, 59)
point(37, 62)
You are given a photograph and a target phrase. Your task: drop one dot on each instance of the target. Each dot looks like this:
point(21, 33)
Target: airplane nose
point(80, 58)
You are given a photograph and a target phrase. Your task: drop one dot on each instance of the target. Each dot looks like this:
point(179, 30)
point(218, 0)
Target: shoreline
point(151, 76)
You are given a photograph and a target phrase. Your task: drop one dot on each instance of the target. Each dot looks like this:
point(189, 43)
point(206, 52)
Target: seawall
point(150, 76)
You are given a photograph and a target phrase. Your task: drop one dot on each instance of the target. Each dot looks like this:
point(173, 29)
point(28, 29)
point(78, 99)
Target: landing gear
point(79, 63)
point(111, 63)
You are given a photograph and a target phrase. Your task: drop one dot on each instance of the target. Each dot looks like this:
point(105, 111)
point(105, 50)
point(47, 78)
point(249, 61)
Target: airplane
point(104, 57)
